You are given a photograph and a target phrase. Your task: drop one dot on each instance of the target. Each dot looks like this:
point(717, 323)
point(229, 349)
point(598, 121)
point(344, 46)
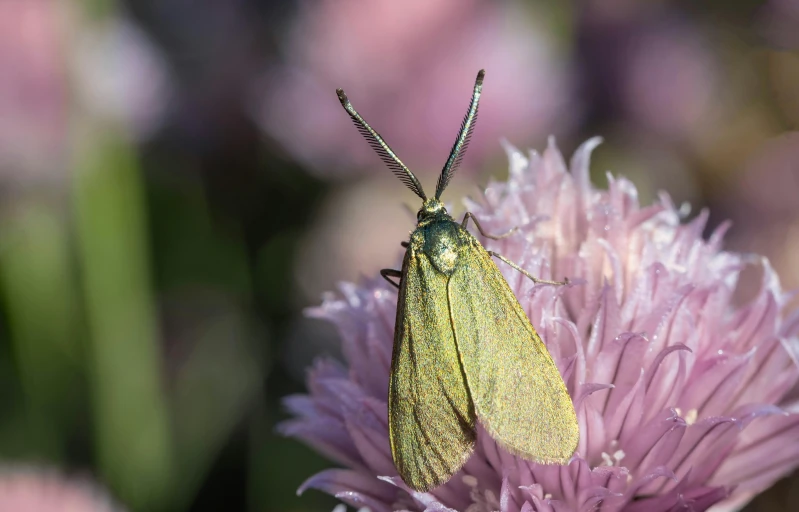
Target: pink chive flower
point(684, 400)
point(45, 491)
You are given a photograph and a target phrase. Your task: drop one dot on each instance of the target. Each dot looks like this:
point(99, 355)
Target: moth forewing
point(517, 390)
point(431, 418)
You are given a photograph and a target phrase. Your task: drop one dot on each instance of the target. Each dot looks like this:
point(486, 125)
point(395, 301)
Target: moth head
point(430, 208)
point(400, 170)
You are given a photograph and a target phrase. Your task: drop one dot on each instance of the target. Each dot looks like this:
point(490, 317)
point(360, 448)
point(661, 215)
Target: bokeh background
point(178, 182)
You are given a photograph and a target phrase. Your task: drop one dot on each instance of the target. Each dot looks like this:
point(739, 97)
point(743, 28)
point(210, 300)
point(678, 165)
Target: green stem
point(133, 436)
point(41, 306)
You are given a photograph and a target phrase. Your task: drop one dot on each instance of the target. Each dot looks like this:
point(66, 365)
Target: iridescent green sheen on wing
point(431, 418)
point(517, 391)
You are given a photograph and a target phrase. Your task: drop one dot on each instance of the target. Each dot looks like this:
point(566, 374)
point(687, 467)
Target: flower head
point(28, 490)
point(684, 401)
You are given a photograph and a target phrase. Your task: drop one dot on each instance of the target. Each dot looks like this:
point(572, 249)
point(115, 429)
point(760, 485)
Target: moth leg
point(470, 215)
point(526, 273)
point(388, 273)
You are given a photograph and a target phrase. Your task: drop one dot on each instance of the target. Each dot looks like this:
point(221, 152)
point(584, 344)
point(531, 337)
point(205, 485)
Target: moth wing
point(518, 393)
point(431, 418)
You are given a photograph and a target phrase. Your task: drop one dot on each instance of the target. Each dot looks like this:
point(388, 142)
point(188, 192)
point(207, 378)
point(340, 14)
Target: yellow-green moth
point(464, 348)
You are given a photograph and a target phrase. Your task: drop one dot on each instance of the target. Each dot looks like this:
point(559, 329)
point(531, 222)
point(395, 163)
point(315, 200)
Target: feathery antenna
point(383, 150)
point(459, 148)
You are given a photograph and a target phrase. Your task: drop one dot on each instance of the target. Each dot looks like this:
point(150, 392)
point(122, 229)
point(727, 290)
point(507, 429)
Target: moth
point(464, 350)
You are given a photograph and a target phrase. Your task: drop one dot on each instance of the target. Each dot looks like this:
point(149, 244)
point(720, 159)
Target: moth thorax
point(442, 245)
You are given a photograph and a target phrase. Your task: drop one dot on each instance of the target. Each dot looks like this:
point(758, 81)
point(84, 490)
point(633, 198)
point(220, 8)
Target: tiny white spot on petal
point(469, 480)
point(491, 498)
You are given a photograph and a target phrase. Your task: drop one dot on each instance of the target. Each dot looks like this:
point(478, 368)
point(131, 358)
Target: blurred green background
point(177, 182)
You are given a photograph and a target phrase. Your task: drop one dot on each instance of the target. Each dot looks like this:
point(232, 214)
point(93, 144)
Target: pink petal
point(352, 487)
point(663, 382)
point(655, 443)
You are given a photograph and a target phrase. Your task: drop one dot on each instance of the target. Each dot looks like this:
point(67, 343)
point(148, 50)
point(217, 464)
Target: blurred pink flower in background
point(33, 110)
point(408, 68)
point(684, 401)
point(670, 81)
point(778, 22)
point(50, 56)
point(45, 491)
point(121, 75)
point(769, 186)
point(764, 205)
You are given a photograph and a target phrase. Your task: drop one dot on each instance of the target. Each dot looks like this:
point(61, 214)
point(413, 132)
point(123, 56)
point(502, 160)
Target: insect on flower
point(464, 348)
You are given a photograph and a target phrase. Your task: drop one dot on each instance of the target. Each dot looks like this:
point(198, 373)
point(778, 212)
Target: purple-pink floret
point(684, 401)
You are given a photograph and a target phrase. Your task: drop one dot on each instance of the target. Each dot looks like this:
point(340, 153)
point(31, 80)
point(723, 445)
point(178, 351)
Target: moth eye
point(419, 215)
